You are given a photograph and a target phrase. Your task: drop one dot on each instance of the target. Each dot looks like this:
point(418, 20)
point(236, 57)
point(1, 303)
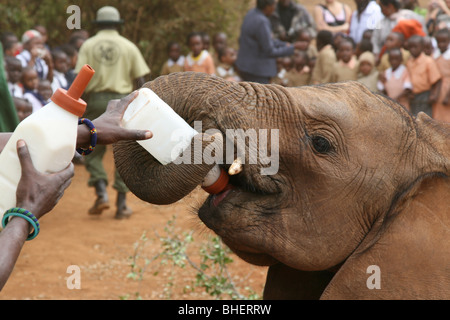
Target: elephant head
point(355, 177)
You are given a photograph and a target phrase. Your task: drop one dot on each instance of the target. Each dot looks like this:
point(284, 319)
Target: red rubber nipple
point(219, 185)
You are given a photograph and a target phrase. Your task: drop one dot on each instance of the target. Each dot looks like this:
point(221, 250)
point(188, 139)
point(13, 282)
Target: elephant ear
point(407, 254)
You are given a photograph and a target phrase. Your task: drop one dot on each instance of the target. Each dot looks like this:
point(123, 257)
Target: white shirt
point(37, 105)
point(397, 74)
point(59, 81)
point(15, 90)
point(368, 21)
point(191, 61)
point(179, 62)
point(446, 54)
point(40, 65)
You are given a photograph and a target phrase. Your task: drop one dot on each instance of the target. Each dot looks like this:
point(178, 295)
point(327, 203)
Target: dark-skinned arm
point(108, 125)
point(36, 192)
point(39, 193)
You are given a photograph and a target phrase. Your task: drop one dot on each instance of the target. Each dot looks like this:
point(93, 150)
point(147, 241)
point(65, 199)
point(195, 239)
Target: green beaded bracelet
point(25, 214)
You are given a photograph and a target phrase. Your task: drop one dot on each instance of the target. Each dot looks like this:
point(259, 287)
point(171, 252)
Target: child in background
point(23, 107)
point(35, 55)
point(395, 82)
point(60, 68)
point(14, 72)
point(304, 37)
point(347, 66)
point(72, 54)
point(337, 38)
point(364, 46)
point(367, 35)
point(198, 59)
point(175, 63)
point(219, 42)
point(393, 40)
point(441, 109)
point(300, 74)
point(43, 31)
point(425, 77)
point(30, 81)
point(206, 41)
point(225, 69)
point(323, 68)
point(428, 48)
point(11, 45)
point(368, 74)
point(45, 91)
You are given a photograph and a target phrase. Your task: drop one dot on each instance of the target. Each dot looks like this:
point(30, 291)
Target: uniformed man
point(119, 68)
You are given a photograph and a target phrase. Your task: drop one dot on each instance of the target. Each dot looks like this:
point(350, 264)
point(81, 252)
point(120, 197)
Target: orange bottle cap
point(70, 99)
point(220, 184)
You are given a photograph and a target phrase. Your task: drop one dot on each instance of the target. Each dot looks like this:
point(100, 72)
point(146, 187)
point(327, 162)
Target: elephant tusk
point(236, 167)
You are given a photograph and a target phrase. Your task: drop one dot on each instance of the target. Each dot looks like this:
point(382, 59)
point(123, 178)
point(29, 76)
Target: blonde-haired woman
point(333, 16)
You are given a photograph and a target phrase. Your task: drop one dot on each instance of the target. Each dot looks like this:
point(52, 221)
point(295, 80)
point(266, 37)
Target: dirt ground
point(103, 247)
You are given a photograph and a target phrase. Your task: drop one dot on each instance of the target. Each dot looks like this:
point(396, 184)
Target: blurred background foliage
point(150, 24)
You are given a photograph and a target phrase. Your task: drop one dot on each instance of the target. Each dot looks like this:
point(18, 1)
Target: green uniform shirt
point(8, 114)
point(116, 60)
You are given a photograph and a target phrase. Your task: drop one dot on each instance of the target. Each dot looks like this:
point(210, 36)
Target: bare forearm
point(12, 239)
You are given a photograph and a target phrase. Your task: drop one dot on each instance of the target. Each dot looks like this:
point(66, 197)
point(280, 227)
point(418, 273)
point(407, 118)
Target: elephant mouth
point(232, 213)
point(237, 184)
point(216, 199)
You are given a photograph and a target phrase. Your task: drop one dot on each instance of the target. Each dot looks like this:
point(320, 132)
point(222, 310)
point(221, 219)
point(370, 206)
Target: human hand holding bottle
point(36, 192)
point(108, 125)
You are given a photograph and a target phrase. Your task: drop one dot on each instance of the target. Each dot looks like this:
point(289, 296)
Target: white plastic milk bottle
point(50, 135)
point(171, 134)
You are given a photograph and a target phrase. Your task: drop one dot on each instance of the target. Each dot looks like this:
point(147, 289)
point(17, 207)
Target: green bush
point(150, 24)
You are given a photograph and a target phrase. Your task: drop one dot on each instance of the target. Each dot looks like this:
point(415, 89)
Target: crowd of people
point(330, 44)
point(394, 47)
point(34, 70)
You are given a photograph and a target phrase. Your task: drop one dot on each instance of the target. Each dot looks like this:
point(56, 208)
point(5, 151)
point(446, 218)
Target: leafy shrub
point(209, 273)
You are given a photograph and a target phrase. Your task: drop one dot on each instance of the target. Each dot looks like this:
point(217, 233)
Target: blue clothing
point(258, 50)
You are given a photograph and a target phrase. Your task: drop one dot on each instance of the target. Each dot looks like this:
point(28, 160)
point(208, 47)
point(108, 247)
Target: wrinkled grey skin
point(355, 173)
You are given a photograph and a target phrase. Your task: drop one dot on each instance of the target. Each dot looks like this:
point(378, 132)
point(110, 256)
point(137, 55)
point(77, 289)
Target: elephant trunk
point(195, 97)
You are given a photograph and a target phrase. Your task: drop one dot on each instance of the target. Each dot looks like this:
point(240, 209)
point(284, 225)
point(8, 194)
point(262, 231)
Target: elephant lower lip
point(218, 198)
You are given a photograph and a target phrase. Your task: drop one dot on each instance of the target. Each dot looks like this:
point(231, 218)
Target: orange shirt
point(424, 72)
point(202, 63)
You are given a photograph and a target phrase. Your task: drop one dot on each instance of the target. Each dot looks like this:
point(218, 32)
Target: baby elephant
point(356, 204)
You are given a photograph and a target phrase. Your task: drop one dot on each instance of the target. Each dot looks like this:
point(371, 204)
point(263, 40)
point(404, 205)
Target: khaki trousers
point(96, 105)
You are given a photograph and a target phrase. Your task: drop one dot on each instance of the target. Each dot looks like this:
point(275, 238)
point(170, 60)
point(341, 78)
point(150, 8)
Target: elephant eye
point(320, 144)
